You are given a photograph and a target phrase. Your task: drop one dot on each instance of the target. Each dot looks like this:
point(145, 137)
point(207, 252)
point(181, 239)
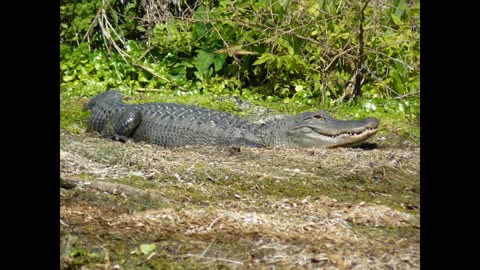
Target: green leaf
point(147, 248)
point(201, 28)
point(344, 36)
point(201, 13)
point(187, 64)
point(396, 20)
point(75, 38)
point(400, 6)
point(142, 77)
point(115, 17)
point(173, 33)
point(177, 72)
point(280, 61)
point(218, 61)
point(284, 3)
point(204, 60)
point(265, 57)
point(68, 78)
point(290, 50)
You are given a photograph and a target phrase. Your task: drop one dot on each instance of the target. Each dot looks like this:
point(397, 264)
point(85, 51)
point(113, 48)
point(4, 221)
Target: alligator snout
point(372, 122)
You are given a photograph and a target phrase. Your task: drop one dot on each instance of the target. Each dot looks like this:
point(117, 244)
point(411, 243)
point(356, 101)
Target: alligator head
point(319, 129)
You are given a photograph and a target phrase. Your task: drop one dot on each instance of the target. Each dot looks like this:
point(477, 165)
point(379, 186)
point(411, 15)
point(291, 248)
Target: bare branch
point(357, 90)
point(112, 188)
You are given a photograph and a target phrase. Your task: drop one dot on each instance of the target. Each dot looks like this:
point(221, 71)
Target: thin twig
point(338, 55)
point(148, 90)
point(105, 25)
point(215, 259)
point(208, 248)
point(95, 19)
point(415, 94)
point(264, 27)
point(224, 260)
point(395, 59)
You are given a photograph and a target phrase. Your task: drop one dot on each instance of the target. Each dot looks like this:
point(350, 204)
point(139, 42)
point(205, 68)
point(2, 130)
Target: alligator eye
point(318, 117)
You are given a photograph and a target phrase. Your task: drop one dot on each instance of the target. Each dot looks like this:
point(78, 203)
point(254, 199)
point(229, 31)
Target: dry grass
point(258, 208)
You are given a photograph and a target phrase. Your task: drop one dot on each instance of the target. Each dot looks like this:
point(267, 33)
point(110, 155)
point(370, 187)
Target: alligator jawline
point(349, 134)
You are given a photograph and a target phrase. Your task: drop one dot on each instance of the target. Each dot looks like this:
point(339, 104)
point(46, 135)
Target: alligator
point(173, 125)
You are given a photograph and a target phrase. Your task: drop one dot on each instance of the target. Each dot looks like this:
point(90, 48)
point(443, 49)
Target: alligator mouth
point(366, 131)
point(317, 137)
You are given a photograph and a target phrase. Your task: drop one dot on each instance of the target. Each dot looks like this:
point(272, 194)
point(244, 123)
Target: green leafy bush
point(299, 52)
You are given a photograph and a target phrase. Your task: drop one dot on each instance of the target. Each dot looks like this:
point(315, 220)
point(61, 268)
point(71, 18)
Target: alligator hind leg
point(122, 125)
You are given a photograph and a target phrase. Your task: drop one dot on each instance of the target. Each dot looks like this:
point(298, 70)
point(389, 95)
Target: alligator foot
point(120, 138)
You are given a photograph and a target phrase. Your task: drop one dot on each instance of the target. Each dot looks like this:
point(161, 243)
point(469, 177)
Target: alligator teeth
point(352, 133)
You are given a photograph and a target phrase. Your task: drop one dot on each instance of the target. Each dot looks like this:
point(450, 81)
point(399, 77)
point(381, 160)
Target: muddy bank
point(345, 208)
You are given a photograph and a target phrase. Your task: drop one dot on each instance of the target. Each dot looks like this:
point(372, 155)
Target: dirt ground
point(140, 206)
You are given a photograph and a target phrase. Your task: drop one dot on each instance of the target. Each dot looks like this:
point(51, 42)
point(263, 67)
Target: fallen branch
point(112, 188)
point(147, 90)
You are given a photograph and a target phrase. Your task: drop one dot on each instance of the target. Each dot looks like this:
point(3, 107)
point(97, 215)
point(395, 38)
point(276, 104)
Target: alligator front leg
point(122, 125)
